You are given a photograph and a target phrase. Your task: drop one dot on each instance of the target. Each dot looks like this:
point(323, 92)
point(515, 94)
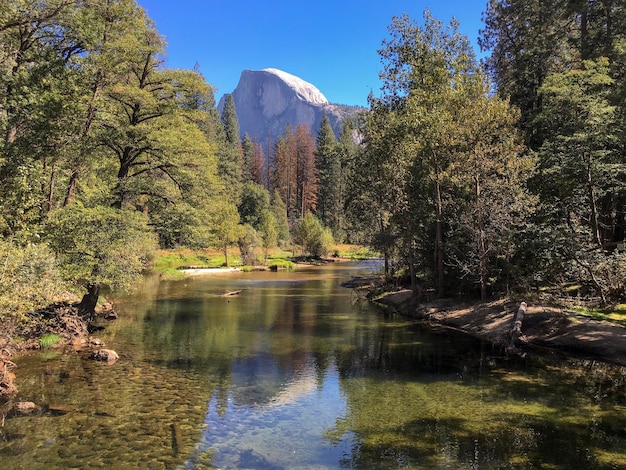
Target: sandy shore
point(206, 271)
point(543, 327)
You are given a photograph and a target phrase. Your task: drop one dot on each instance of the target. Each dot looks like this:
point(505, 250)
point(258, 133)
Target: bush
point(29, 278)
point(249, 245)
point(315, 239)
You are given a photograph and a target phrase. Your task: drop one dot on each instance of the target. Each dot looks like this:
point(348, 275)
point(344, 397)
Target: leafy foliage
point(29, 278)
point(315, 239)
point(101, 246)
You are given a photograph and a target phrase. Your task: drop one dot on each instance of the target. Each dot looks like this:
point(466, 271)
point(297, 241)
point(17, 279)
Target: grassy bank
point(170, 263)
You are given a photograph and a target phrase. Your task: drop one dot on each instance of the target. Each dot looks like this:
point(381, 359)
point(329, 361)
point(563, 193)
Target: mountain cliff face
point(269, 99)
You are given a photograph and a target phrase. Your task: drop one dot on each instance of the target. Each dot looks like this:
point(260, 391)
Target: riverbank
point(546, 328)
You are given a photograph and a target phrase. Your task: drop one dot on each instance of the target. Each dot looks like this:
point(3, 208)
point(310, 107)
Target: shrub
point(315, 239)
point(29, 278)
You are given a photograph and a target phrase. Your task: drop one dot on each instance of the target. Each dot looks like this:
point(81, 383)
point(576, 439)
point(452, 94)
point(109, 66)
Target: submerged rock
point(105, 355)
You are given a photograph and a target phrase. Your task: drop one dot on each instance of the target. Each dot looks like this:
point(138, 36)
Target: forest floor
point(555, 329)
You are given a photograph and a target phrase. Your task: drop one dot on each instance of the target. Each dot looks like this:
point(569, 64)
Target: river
point(297, 372)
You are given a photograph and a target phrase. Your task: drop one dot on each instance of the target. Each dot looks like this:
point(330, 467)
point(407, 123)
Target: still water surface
point(298, 373)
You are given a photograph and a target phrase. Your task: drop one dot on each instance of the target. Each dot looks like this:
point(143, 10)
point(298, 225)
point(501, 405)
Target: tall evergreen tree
point(329, 171)
point(230, 154)
point(252, 160)
point(284, 171)
point(306, 171)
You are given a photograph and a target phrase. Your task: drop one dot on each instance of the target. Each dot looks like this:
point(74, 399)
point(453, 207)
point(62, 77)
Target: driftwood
point(176, 439)
point(231, 294)
point(516, 329)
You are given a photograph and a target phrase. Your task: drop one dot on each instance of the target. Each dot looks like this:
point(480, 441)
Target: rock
point(25, 407)
point(106, 310)
point(110, 315)
point(78, 343)
point(269, 99)
point(105, 355)
point(96, 342)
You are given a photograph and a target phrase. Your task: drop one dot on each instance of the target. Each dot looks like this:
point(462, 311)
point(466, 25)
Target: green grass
point(355, 252)
point(48, 341)
point(179, 259)
point(168, 263)
point(614, 314)
point(277, 263)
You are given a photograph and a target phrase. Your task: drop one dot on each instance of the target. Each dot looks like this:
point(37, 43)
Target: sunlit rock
point(268, 100)
point(105, 355)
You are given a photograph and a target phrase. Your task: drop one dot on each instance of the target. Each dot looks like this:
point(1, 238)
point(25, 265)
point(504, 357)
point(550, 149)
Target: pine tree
point(329, 171)
point(230, 154)
point(284, 171)
point(306, 176)
point(252, 160)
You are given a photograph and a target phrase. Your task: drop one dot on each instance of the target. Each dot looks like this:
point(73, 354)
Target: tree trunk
point(439, 240)
point(71, 188)
point(516, 330)
point(226, 255)
point(593, 207)
point(414, 286)
point(87, 306)
point(482, 246)
point(48, 190)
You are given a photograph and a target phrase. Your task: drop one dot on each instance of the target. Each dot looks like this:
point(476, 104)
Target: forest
point(475, 178)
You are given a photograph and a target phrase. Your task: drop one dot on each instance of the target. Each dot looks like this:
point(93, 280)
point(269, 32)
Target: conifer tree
point(230, 154)
point(328, 169)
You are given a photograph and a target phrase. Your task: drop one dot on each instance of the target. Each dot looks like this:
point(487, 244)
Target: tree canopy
point(470, 178)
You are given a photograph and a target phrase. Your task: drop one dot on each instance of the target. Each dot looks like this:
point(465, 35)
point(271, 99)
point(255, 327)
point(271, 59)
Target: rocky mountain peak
point(268, 100)
point(304, 90)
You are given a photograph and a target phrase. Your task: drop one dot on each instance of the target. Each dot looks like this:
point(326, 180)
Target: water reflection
point(275, 428)
point(295, 373)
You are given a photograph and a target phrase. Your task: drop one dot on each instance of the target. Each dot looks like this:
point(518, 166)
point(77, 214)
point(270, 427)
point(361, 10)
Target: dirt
point(549, 328)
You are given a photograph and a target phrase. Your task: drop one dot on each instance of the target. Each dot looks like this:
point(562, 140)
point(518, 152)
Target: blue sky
point(331, 44)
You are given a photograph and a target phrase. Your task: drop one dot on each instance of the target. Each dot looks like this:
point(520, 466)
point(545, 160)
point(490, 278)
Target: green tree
point(248, 243)
point(329, 171)
point(230, 153)
point(313, 237)
point(284, 170)
point(252, 160)
point(29, 278)
point(269, 231)
point(224, 220)
point(279, 209)
point(581, 168)
point(37, 102)
point(528, 40)
point(491, 200)
point(100, 246)
point(413, 139)
point(255, 199)
point(344, 225)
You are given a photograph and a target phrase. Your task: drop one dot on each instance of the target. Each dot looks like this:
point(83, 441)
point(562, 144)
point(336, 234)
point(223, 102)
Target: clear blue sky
point(331, 44)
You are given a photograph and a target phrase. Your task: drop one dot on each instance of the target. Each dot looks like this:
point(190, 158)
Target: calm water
point(296, 372)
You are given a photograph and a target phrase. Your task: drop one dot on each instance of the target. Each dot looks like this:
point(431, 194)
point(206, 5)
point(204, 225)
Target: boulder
point(25, 407)
point(96, 342)
point(105, 355)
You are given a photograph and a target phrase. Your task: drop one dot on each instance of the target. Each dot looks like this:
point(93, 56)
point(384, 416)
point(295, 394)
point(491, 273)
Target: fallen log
point(231, 294)
point(516, 329)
